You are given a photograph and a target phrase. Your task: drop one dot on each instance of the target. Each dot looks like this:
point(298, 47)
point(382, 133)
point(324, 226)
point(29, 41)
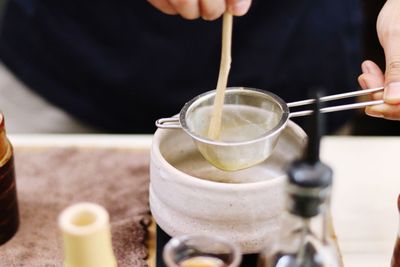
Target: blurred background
point(51, 118)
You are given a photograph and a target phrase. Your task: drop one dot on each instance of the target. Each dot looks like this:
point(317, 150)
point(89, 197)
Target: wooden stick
point(215, 122)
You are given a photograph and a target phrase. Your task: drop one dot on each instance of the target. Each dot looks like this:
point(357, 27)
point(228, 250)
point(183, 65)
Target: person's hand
point(388, 28)
point(207, 9)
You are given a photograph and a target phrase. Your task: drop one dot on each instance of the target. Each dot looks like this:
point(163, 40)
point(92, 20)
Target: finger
point(361, 81)
point(372, 77)
point(212, 9)
point(369, 66)
point(164, 6)
point(387, 111)
point(392, 73)
point(392, 88)
point(373, 96)
point(370, 111)
point(189, 9)
point(368, 80)
point(238, 7)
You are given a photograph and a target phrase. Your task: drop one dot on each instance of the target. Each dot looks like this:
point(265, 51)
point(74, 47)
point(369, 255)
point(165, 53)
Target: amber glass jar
point(9, 216)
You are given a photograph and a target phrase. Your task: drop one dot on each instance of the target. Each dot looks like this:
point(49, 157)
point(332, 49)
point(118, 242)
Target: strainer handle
point(336, 97)
point(337, 108)
point(168, 123)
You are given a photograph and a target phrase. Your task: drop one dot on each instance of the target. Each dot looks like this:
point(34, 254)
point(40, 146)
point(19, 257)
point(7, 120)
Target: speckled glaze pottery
point(190, 196)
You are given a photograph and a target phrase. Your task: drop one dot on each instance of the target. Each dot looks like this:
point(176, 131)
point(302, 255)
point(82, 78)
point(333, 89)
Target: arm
point(207, 9)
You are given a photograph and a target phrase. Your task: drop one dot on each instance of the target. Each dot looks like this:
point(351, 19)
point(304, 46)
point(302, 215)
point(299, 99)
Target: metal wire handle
point(336, 97)
point(173, 122)
point(168, 123)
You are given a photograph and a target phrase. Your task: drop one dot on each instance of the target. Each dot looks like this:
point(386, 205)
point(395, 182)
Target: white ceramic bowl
point(190, 196)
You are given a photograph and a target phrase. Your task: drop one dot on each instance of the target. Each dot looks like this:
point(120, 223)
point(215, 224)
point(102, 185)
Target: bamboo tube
point(86, 236)
point(215, 122)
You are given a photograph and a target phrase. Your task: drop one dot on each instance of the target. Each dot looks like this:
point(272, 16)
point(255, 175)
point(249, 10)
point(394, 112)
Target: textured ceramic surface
point(190, 196)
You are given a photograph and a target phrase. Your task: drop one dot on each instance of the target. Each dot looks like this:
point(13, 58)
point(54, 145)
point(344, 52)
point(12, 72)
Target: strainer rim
point(279, 127)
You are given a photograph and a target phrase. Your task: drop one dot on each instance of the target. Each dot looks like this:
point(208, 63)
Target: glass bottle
point(304, 240)
point(9, 215)
point(201, 251)
point(396, 253)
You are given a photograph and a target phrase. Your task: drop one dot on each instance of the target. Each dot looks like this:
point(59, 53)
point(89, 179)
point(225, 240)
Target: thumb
point(392, 82)
point(392, 73)
point(387, 27)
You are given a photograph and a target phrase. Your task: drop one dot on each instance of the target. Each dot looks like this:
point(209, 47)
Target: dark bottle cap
point(309, 186)
point(310, 180)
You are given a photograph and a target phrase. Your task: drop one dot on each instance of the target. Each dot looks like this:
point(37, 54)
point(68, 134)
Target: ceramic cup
point(190, 196)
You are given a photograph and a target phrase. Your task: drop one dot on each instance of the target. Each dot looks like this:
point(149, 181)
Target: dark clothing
point(120, 65)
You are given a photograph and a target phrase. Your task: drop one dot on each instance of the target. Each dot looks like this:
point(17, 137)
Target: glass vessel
point(201, 251)
point(304, 240)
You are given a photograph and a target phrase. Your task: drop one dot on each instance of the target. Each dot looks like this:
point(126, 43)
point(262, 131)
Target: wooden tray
point(152, 243)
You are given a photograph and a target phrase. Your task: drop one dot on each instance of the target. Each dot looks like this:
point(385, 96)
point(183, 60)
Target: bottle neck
point(303, 242)
point(307, 239)
point(316, 226)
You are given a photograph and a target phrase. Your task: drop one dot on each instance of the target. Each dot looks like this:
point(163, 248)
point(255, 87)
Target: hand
point(207, 9)
point(388, 28)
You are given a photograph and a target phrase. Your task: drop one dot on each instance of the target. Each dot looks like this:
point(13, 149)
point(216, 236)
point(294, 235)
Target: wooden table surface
point(366, 185)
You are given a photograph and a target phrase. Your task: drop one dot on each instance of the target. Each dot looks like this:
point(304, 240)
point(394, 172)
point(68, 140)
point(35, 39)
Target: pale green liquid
point(239, 122)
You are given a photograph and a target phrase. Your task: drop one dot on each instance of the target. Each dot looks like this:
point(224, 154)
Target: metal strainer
point(262, 114)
